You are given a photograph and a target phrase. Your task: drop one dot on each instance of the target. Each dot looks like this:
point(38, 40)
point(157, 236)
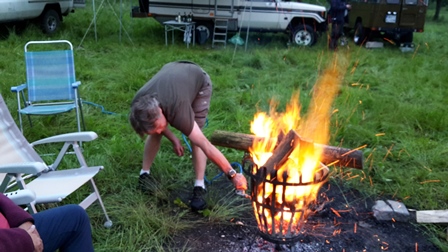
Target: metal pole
point(94, 20)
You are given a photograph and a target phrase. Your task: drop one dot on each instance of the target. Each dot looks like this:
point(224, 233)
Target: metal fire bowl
point(260, 177)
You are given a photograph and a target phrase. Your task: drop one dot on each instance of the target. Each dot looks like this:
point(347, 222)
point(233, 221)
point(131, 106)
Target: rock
point(390, 210)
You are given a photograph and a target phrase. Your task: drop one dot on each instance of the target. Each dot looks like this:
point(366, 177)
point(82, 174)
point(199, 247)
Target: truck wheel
point(203, 32)
point(50, 21)
point(303, 35)
point(360, 34)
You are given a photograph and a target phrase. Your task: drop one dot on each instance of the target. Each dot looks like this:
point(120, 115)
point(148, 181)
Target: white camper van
point(301, 20)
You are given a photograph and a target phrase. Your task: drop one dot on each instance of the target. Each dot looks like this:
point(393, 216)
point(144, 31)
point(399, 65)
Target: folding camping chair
point(21, 197)
point(50, 184)
point(51, 83)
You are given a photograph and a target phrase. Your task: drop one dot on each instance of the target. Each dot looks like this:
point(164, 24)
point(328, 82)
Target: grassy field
point(393, 103)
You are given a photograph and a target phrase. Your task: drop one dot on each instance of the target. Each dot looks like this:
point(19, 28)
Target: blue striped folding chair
point(51, 84)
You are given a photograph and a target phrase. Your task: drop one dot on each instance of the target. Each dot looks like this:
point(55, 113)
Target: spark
point(335, 212)
point(390, 41)
point(358, 148)
point(388, 152)
point(415, 51)
point(403, 150)
point(350, 178)
point(354, 67)
point(430, 181)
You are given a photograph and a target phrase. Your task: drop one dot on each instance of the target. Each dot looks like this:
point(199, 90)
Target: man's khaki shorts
point(201, 103)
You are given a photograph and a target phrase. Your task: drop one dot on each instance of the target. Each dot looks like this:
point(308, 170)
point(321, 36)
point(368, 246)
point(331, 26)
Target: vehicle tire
point(204, 31)
point(360, 34)
point(50, 21)
point(303, 35)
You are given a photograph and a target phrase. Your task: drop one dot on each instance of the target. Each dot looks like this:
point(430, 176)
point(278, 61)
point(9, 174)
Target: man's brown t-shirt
point(176, 86)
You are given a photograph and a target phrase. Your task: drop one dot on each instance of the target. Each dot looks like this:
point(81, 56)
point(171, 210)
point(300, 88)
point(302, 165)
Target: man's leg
point(334, 36)
point(199, 162)
point(200, 105)
point(152, 146)
point(66, 228)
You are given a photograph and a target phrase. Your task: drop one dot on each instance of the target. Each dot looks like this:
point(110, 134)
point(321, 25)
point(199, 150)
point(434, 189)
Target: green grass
point(394, 103)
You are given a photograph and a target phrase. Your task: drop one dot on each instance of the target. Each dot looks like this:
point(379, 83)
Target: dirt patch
point(345, 223)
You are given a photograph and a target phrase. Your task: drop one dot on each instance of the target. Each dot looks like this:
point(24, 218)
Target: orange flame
point(302, 164)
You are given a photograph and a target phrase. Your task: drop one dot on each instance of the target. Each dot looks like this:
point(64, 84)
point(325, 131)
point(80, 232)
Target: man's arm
point(177, 146)
point(198, 138)
point(212, 153)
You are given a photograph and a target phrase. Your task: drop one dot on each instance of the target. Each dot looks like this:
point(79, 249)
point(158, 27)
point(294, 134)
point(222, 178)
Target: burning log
point(281, 153)
point(330, 155)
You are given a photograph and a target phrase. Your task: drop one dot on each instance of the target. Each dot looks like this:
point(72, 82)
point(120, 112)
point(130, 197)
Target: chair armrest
point(85, 136)
point(19, 88)
point(76, 84)
point(21, 197)
point(28, 168)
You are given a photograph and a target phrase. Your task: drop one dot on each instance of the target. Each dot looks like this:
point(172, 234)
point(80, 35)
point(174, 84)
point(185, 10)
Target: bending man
point(179, 95)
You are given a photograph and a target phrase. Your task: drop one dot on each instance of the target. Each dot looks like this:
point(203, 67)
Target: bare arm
point(197, 137)
point(177, 146)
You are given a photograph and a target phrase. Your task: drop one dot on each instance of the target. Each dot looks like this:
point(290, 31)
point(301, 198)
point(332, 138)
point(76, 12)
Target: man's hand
point(37, 241)
point(240, 182)
point(177, 147)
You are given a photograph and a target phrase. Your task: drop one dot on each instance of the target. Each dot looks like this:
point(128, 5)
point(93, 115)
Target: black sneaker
point(198, 201)
point(147, 184)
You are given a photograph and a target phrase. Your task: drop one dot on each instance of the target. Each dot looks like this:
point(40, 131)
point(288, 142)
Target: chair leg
point(81, 114)
point(25, 105)
point(108, 222)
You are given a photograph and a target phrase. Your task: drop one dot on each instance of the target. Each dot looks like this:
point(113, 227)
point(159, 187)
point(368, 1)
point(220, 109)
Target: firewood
point(331, 155)
point(282, 151)
point(432, 216)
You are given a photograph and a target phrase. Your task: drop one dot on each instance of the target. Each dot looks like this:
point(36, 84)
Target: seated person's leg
point(66, 228)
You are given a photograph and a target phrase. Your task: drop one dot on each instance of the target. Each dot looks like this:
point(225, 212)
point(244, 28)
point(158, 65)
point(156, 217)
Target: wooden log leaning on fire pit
point(330, 154)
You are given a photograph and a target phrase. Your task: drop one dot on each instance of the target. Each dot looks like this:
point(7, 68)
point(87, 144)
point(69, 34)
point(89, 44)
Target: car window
point(410, 2)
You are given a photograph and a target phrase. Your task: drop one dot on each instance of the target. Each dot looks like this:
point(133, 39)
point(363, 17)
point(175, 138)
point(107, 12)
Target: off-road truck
point(395, 20)
point(302, 21)
point(47, 13)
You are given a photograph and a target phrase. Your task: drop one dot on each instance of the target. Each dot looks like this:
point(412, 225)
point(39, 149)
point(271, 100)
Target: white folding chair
point(50, 184)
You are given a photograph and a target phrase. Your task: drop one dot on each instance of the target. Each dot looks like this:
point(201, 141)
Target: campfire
point(287, 173)
point(288, 160)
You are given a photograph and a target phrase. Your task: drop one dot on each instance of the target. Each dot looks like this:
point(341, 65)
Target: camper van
point(396, 20)
point(303, 22)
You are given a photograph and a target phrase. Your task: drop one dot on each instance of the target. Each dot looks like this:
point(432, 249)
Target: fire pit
point(281, 207)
